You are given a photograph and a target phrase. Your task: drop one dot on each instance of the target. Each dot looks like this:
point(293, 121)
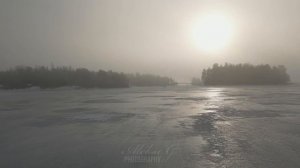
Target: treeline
point(149, 80)
point(44, 77)
point(244, 74)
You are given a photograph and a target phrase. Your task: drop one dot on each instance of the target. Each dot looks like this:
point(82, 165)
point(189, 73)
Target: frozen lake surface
point(165, 127)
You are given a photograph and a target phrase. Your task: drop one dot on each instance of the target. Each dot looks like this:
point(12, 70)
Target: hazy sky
point(147, 36)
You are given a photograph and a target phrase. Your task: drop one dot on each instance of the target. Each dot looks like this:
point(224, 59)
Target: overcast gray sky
point(147, 36)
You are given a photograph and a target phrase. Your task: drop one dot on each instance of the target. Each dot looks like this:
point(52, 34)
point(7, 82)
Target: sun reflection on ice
point(215, 94)
point(215, 99)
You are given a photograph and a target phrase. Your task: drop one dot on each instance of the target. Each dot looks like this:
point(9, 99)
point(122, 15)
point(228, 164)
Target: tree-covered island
point(245, 74)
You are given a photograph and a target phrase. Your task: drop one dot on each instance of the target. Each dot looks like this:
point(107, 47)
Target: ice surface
point(180, 126)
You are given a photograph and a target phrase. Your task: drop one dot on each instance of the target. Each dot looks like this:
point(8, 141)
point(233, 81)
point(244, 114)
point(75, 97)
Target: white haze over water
point(145, 36)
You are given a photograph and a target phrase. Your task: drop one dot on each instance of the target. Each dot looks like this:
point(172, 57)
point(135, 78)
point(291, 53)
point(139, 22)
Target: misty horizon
point(146, 36)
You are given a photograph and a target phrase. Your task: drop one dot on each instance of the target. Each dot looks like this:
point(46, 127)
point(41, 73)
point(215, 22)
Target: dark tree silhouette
point(242, 74)
point(149, 80)
point(44, 77)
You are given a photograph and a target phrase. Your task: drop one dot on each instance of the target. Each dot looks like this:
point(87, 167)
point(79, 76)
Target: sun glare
point(213, 32)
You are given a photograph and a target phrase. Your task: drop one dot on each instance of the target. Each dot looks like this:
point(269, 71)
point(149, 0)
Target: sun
point(213, 32)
